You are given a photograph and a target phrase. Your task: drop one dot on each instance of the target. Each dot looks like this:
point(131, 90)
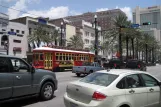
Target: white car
point(114, 88)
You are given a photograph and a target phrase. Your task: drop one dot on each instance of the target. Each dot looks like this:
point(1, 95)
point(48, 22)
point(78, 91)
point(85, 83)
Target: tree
point(109, 40)
point(76, 42)
point(41, 35)
point(120, 22)
point(37, 36)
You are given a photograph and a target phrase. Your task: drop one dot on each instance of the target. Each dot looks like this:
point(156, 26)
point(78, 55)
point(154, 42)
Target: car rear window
point(103, 79)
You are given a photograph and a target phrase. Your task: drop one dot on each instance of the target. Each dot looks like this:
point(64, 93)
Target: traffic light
point(147, 23)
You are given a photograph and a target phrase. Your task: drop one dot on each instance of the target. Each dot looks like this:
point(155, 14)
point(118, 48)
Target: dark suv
point(116, 63)
point(136, 64)
point(19, 79)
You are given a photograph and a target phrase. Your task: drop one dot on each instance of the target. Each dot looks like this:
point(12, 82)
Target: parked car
point(19, 79)
point(87, 68)
point(114, 88)
point(136, 64)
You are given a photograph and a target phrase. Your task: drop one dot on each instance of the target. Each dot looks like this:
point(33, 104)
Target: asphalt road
point(64, 78)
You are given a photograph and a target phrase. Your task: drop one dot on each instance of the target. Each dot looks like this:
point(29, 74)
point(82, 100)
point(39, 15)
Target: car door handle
point(151, 89)
point(131, 91)
point(18, 77)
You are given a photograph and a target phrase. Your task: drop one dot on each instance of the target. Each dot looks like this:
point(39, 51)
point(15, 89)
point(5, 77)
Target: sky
point(61, 8)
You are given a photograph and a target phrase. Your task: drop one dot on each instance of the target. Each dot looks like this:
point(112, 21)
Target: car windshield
point(102, 79)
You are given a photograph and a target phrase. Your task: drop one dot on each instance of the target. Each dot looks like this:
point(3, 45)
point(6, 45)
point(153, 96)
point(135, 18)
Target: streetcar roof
point(61, 50)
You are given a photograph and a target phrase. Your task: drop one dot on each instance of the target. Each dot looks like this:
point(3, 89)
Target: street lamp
point(61, 42)
point(96, 38)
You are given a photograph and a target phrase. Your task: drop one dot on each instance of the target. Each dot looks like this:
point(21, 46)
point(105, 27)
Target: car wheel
point(78, 75)
point(47, 91)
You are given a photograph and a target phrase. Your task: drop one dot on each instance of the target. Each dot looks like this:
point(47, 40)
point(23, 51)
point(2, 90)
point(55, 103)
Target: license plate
point(73, 105)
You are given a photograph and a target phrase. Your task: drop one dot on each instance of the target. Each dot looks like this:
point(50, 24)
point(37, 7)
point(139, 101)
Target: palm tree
point(120, 22)
point(39, 35)
point(109, 40)
point(149, 42)
point(76, 42)
point(54, 37)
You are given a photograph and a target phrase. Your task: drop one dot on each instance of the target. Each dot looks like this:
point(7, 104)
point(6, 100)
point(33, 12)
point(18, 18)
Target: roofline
point(62, 50)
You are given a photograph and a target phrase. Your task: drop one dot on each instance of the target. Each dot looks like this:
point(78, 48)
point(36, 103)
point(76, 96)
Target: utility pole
point(96, 39)
point(61, 42)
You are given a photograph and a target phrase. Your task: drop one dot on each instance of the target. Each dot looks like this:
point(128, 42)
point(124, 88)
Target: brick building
point(104, 18)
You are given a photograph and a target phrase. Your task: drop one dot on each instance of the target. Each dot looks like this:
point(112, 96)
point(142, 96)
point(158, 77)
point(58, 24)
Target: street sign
point(135, 25)
point(11, 33)
point(42, 21)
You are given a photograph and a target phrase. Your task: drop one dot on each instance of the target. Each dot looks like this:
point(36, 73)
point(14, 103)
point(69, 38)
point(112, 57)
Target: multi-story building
point(105, 18)
point(32, 24)
point(68, 29)
point(17, 35)
point(149, 14)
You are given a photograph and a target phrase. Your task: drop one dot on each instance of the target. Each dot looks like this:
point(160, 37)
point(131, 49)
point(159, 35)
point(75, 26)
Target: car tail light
point(115, 65)
point(84, 69)
point(98, 96)
point(138, 66)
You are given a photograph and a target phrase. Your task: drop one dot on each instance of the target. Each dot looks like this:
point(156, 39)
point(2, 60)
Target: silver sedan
point(114, 88)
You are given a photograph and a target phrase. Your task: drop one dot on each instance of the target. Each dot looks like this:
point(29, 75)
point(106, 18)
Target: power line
point(18, 10)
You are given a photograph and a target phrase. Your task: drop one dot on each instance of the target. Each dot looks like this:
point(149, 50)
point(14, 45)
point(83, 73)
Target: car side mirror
point(32, 69)
point(16, 69)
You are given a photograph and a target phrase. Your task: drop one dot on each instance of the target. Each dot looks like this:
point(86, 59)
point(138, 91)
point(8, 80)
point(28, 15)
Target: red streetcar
point(59, 59)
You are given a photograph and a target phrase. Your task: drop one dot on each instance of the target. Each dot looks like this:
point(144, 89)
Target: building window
point(17, 41)
point(17, 31)
point(19, 35)
point(30, 31)
point(87, 33)
point(23, 32)
point(86, 41)
point(12, 30)
point(3, 30)
point(92, 35)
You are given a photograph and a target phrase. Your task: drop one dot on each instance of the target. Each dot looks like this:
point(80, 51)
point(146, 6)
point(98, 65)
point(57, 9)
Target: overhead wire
point(18, 10)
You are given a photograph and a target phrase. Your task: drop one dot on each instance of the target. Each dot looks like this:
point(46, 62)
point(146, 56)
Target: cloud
point(52, 12)
point(20, 5)
point(101, 9)
point(7, 0)
point(127, 11)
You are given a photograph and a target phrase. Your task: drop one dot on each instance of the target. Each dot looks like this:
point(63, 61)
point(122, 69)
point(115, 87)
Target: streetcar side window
point(57, 56)
point(41, 56)
point(77, 57)
point(64, 56)
point(81, 57)
point(70, 57)
point(36, 56)
point(60, 56)
point(84, 57)
point(73, 55)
